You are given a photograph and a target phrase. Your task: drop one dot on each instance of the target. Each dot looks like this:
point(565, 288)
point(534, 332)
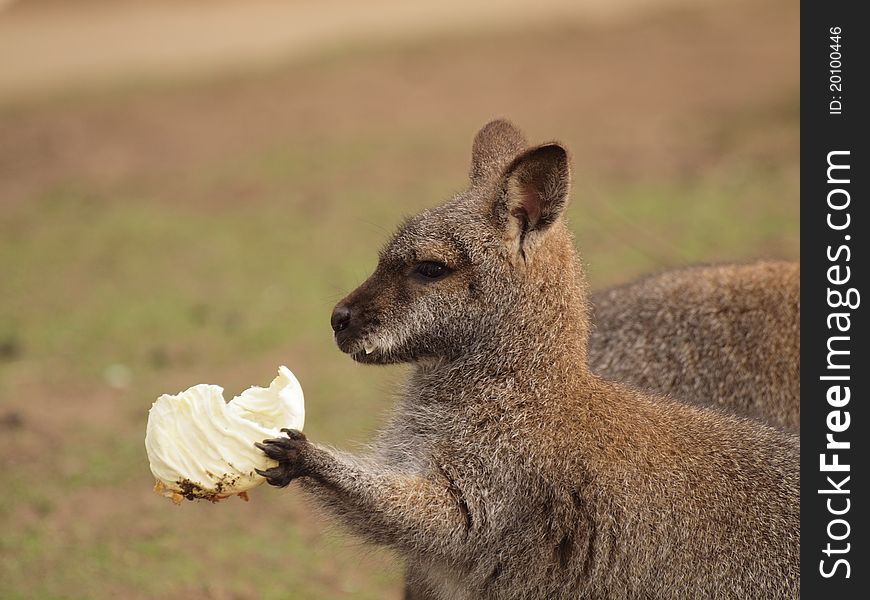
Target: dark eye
point(429, 270)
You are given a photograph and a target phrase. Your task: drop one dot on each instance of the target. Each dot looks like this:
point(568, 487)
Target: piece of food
point(201, 446)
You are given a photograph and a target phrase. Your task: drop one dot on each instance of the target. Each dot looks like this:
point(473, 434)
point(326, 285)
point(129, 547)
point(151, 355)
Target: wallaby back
point(725, 336)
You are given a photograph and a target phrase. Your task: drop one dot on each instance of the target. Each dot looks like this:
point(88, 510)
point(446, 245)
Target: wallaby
point(510, 470)
point(726, 336)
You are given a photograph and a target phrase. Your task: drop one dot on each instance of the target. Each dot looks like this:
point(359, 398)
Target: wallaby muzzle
point(354, 322)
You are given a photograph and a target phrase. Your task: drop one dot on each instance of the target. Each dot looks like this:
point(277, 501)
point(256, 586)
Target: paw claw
point(279, 476)
point(293, 434)
point(282, 448)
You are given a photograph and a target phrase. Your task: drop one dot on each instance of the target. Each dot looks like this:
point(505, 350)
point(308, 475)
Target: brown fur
point(726, 336)
point(510, 470)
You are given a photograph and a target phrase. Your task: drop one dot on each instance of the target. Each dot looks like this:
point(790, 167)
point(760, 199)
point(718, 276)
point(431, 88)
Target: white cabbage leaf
point(200, 446)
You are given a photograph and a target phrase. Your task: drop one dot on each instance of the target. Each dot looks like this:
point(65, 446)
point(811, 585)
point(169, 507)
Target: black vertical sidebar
point(835, 340)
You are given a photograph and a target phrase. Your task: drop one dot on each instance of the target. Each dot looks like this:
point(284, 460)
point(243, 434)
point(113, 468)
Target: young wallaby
point(726, 336)
point(510, 470)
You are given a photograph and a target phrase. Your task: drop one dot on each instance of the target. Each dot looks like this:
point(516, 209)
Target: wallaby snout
point(356, 319)
point(375, 323)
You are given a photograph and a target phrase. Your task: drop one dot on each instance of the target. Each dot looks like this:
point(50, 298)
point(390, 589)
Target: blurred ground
point(105, 41)
point(157, 232)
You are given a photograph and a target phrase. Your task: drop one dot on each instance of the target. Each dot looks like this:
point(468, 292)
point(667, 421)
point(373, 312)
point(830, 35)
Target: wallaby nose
point(340, 318)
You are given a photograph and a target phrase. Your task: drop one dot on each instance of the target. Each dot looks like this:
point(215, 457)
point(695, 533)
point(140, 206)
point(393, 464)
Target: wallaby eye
point(429, 270)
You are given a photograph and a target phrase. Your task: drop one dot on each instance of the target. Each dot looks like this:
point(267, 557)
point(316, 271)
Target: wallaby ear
point(533, 193)
point(495, 146)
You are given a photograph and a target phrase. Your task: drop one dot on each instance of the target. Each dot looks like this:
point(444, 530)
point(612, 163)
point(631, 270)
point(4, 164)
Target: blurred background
point(187, 187)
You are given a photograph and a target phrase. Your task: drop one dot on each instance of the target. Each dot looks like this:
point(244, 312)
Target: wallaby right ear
point(495, 146)
point(532, 195)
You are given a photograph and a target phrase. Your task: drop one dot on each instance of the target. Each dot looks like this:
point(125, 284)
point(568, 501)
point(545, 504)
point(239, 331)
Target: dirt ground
point(167, 221)
point(644, 97)
point(103, 41)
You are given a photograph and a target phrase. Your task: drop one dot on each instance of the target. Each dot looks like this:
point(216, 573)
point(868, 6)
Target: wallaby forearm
point(386, 506)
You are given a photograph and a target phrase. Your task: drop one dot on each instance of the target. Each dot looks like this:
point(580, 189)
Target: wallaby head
point(476, 268)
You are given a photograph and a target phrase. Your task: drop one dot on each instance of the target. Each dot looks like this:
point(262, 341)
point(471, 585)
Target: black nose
point(340, 318)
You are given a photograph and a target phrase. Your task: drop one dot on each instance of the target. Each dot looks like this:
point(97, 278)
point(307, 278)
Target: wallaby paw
point(290, 453)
